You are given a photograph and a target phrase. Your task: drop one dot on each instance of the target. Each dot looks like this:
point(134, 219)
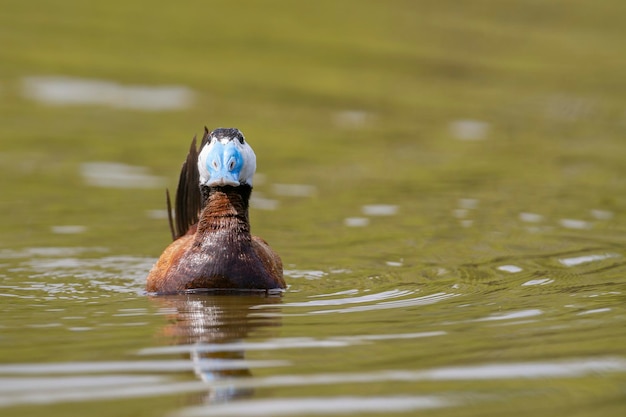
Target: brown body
point(217, 251)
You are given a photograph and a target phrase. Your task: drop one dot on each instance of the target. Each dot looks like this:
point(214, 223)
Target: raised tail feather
point(189, 201)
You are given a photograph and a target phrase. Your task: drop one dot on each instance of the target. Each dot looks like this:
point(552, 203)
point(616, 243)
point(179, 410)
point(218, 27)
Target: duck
point(213, 248)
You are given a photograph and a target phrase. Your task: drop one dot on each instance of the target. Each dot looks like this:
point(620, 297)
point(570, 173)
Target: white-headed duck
point(213, 247)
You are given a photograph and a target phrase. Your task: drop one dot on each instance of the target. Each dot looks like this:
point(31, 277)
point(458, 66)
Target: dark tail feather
point(188, 198)
point(169, 214)
point(205, 137)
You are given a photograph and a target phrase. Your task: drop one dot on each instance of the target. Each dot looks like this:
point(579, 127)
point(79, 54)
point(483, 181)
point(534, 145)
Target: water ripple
point(49, 251)
point(29, 391)
point(46, 390)
point(512, 315)
point(319, 405)
point(284, 343)
point(49, 269)
point(404, 303)
point(135, 366)
point(118, 175)
point(577, 260)
point(65, 90)
point(351, 300)
point(573, 368)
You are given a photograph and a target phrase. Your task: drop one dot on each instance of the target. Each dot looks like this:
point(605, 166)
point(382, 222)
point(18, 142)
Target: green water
point(445, 182)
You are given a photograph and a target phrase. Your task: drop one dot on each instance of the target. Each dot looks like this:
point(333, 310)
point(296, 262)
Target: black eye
point(240, 138)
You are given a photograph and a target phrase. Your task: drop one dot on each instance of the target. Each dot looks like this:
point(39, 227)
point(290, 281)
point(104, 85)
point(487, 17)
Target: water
point(537, 332)
point(444, 181)
point(69, 91)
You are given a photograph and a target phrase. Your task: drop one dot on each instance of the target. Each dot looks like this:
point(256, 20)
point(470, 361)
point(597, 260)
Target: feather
point(188, 198)
point(205, 138)
point(169, 214)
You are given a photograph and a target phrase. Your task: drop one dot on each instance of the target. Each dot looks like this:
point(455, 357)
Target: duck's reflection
point(212, 325)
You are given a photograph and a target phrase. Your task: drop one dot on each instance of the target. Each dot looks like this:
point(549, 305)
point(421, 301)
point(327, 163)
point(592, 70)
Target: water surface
point(537, 332)
point(445, 183)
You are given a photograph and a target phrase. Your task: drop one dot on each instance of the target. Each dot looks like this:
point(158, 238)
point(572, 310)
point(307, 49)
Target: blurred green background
point(520, 103)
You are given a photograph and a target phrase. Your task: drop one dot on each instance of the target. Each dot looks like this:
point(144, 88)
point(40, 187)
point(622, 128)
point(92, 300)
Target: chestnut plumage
point(213, 247)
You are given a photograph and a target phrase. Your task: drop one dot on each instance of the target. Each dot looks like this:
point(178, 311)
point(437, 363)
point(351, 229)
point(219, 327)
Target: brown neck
point(225, 212)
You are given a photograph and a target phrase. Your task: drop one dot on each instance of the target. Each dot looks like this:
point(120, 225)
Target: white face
point(226, 161)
